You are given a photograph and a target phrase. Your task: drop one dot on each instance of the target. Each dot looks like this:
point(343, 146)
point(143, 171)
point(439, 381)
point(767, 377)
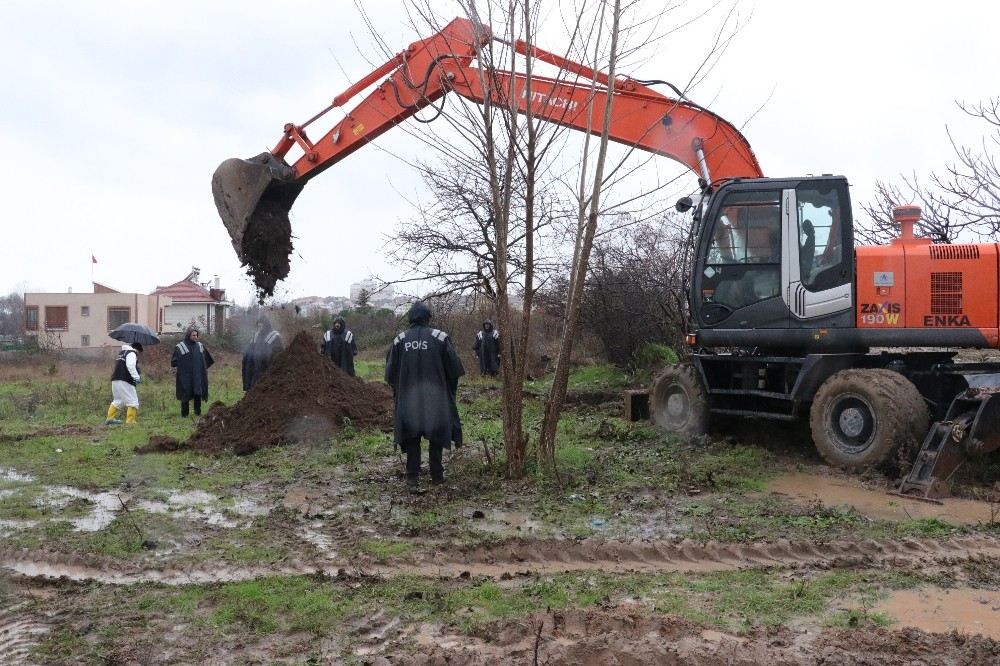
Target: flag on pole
point(93, 259)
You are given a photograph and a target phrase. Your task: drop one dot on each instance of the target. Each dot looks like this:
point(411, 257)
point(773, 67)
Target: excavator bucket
point(971, 428)
point(253, 198)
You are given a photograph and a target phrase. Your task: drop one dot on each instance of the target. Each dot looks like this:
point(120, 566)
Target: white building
point(193, 303)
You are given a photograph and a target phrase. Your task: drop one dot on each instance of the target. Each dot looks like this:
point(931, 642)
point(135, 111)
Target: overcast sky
point(115, 115)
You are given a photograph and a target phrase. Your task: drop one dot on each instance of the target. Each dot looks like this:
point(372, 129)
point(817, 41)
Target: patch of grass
point(859, 618)
point(383, 550)
point(266, 605)
point(426, 520)
point(603, 375)
point(372, 371)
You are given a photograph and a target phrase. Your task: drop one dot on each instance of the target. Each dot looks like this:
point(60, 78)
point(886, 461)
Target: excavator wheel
point(859, 418)
point(678, 401)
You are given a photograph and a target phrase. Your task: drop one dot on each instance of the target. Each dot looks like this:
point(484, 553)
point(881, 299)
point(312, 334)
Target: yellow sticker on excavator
point(358, 129)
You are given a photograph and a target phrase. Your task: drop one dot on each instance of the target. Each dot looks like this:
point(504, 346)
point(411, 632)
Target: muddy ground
point(737, 548)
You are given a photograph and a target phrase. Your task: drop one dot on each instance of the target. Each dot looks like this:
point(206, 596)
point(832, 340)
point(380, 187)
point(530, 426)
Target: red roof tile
point(185, 291)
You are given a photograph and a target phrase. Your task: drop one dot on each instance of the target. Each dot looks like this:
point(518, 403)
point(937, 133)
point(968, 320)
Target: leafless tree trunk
point(586, 229)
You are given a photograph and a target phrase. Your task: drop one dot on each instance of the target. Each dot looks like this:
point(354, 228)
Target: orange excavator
point(786, 317)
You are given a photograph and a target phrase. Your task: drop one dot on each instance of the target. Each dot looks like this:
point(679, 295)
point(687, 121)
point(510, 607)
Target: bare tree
point(486, 233)
point(12, 314)
point(451, 242)
point(961, 200)
point(636, 292)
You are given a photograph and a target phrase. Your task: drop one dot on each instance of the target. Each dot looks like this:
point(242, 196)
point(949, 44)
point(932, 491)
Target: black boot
point(185, 407)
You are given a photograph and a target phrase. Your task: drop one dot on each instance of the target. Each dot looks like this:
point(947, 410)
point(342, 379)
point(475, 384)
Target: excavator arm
point(254, 196)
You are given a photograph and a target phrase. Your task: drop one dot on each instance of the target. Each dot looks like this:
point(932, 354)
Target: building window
point(84, 310)
point(84, 340)
point(118, 316)
point(31, 318)
point(56, 318)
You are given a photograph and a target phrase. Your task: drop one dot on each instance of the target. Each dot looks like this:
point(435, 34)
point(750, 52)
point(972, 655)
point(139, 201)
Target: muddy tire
point(678, 401)
point(860, 418)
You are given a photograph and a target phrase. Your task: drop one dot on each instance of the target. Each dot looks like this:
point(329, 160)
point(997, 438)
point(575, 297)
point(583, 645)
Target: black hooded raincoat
point(263, 346)
point(192, 361)
point(423, 368)
point(341, 346)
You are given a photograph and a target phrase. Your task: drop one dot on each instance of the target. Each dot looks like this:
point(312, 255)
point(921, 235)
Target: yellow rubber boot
point(132, 415)
point(112, 412)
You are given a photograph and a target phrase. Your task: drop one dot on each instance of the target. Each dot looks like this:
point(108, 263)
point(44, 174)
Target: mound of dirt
point(302, 398)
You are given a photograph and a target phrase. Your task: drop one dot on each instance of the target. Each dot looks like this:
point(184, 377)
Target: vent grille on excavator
point(946, 293)
point(954, 251)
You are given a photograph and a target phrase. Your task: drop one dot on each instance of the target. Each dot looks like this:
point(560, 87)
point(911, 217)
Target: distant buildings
point(193, 303)
point(367, 291)
point(81, 321)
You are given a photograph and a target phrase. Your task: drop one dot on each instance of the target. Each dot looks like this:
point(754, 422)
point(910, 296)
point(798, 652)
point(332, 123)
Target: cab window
point(824, 236)
point(743, 264)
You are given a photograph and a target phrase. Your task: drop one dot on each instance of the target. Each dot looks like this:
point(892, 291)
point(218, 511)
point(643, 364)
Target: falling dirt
point(965, 610)
point(267, 244)
point(637, 637)
point(302, 398)
point(838, 491)
point(532, 557)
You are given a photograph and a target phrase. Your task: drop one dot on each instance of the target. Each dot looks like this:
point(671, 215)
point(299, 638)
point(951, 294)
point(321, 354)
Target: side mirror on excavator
point(684, 204)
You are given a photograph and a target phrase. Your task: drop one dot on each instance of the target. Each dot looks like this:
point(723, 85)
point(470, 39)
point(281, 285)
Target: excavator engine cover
point(253, 197)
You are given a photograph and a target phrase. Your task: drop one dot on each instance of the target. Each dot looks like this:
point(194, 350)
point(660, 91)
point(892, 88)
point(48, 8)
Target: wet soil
point(526, 557)
point(965, 610)
point(55, 431)
point(19, 632)
point(302, 398)
point(877, 503)
point(632, 636)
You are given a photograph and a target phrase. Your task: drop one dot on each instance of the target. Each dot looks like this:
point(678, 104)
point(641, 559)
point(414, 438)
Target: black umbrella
point(135, 333)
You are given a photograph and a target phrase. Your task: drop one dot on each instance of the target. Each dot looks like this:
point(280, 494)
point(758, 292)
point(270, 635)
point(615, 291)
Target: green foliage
point(653, 356)
point(602, 375)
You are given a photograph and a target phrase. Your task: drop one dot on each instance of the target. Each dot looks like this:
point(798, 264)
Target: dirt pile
point(302, 398)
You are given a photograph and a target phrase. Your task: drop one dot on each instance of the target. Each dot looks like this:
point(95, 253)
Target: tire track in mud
point(18, 632)
point(534, 556)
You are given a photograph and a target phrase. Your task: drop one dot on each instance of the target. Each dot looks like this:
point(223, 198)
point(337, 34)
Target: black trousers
point(435, 451)
point(185, 406)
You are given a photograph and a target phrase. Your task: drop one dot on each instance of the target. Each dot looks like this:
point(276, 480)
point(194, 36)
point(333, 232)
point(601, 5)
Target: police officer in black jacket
point(339, 344)
point(192, 360)
point(263, 346)
point(423, 368)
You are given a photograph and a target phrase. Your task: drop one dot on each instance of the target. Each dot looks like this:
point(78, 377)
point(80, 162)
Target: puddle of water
point(502, 522)
point(191, 498)
point(250, 508)
point(938, 610)
point(104, 506)
point(834, 491)
point(322, 542)
point(13, 476)
point(8, 527)
point(184, 509)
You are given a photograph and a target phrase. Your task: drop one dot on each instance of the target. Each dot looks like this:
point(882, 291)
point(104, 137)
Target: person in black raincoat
point(192, 361)
point(487, 349)
point(265, 343)
point(339, 344)
point(423, 368)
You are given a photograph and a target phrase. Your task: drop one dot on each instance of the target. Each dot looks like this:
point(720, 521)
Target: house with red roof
point(193, 303)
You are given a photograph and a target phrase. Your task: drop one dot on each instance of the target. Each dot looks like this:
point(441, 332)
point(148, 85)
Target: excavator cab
point(253, 197)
